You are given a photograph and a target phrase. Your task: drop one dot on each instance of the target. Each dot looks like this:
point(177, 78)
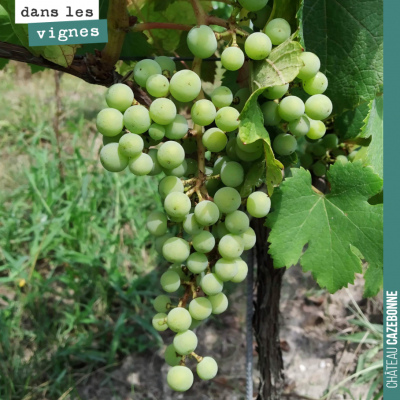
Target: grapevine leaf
point(374, 128)
point(330, 225)
point(348, 125)
point(6, 33)
point(61, 55)
point(230, 80)
point(299, 17)
point(251, 128)
point(253, 179)
point(178, 12)
point(348, 38)
point(281, 67)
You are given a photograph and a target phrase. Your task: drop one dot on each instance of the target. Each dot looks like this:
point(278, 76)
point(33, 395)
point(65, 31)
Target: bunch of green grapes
point(202, 161)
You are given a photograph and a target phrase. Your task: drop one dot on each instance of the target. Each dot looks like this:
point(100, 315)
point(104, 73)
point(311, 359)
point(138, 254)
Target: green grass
point(76, 263)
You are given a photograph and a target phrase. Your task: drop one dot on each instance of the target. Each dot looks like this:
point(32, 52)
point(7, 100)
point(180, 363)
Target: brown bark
point(266, 318)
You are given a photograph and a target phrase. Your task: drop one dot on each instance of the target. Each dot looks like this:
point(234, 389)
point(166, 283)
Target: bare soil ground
point(314, 360)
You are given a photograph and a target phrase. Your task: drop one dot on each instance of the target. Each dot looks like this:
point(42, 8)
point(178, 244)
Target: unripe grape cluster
point(205, 226)
point(202, 163)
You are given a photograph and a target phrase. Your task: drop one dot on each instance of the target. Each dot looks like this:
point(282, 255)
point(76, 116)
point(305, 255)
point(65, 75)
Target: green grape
point(242, 271)
point(112, 159)
point(249, 238)
point(227, 119)
point(222, 97)
point(232, 174)
point(351, 157)
point(258, 204)
point(203, 112)
point(195, 324)
point(110, 122)
point(330, 141)
point(179, 171)
point(226, 269)
point(170, 356)
point(232, 58)
point(156, 223)
point(319, 169)
point(231, 247)
point(211, 284)
point(291, 108)
point(185, 85)
point(177, 205)
point(201, 41)
point(253, 5)
point(300, 126)
point(245, 156)
point(258, 46)
point(186, 342)
point(240, 99)
point(163, 111)
point(191, 226)
point(270, 111)
point(170, 281)
point(168, 185)
point(176, 250)
point(212, 186)
point(170, 155)
point(249, 147)
point(206, 213)
point(161, 302)
point(141, 164)
point(137, 119)
point(316, 85)
point(131, 145)
point(341, 159)
point(157, 85)
point(312, 64)
point(221, 230)
point(306, 161)
point(275, 92)
point(278, 30)
point(159, 323)
point(179, 319)
point(317, 129)
point(200, 308)
point(159, 242)
point(219, 163)
point(180, 378)
point(112, 139)
point(214, 139)
point(197, 263)
point(191, 167)
point(319, 107)
point(166, 64)
point(318, 150)
point(178, 268)
point(144, 69)
point(219, 303)
point(237, 222)
point(177, 129)
point(156, 131)
point(189, 145)
point(231, 150)
point(203, 242)
point(119, 96)
point(284, 144)
point(227, 200)
point(261, 17)
point(207, 368)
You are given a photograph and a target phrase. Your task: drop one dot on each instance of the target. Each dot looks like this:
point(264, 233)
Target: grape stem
point(316, 190)
point(197, 357)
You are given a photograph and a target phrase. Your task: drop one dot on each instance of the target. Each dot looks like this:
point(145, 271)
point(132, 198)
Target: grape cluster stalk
point(205, 226)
